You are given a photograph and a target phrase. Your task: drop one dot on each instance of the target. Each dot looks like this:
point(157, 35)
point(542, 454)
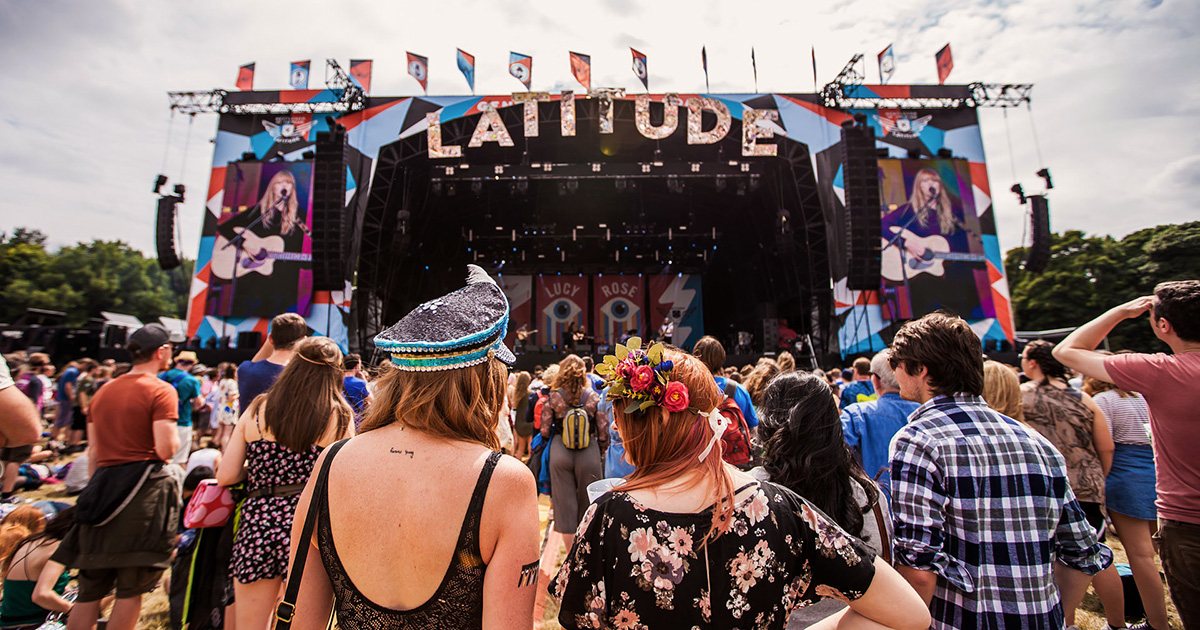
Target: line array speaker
point(1038, 254)
point(860, 176)
point(329, 211)
point(164, 232)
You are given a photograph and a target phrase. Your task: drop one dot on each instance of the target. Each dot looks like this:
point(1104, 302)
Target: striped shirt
point(1128, 416)
point(984, 502)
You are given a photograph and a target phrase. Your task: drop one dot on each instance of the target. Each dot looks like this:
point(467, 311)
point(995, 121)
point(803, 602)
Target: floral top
point(635, 568)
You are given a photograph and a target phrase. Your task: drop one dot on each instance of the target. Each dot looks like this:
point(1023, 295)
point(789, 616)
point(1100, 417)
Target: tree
point(1087, 275)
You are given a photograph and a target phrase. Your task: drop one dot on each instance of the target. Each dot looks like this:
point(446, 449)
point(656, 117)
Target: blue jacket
point(869, 428)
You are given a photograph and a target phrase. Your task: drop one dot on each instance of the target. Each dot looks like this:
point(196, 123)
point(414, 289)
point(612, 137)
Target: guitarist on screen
point(931, 230)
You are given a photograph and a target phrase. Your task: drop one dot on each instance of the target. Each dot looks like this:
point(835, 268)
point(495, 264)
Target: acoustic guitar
point(258, 255)
point(937, 251)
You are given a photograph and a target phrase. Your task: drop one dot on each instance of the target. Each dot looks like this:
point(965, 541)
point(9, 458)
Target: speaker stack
point(329, 211)
point(164, 232)
point(1038, 254)
point(860, 178)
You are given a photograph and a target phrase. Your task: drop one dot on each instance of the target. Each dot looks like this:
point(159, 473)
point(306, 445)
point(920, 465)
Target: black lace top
point(457, 602)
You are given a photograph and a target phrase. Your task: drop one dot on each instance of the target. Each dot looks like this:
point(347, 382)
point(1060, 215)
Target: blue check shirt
point(984, 502)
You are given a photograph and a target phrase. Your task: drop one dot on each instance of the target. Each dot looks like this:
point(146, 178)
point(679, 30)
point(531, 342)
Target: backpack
point(576, 429)
point(25, 384)
point(537, 410)
point(735, 442)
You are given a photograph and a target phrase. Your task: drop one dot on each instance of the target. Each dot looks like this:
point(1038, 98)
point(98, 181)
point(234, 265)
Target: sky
point(85, 124)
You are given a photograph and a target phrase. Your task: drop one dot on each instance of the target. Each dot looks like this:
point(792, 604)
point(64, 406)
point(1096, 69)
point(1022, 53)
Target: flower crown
point(642, 377)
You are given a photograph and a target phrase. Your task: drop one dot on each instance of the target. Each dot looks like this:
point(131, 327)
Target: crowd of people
point(924, 486)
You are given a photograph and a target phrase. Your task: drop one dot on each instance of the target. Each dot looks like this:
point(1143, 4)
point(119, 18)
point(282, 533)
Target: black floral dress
point(635, 568)
point(260, 550)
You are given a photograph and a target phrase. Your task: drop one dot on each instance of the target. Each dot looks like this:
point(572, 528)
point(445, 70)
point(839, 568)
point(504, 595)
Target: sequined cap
point(457, 330)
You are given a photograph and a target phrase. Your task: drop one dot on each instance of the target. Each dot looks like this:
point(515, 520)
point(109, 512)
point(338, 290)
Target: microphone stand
point(896, 242)
point(239, 239)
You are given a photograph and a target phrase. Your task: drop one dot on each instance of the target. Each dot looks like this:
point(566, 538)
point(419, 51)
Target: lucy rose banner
point(678, 299)
point(561, 300)
point(519, 291)
point(617, 306)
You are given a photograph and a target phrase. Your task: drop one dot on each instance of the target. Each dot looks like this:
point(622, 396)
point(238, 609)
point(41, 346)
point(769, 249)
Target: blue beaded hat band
point(457, 330)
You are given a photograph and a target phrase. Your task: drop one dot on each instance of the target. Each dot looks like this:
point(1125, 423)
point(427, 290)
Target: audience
point(860, 388)
point(34, 583)
point(1168, 384)
point(868, 427)
point(258, 374)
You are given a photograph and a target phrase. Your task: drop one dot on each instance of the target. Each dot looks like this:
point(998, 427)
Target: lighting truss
point(350, 97)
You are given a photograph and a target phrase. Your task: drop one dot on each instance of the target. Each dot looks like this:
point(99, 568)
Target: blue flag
point(466, 64)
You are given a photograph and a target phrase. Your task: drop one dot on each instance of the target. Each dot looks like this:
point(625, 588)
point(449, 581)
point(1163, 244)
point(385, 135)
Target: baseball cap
point(148, 336)
point(187, 355)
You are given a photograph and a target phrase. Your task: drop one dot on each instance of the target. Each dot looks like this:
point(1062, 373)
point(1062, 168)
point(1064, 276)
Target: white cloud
point(84, 119)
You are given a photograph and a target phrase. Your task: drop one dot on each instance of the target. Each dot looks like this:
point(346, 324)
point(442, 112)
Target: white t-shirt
point(5, 376)
point(203, 457)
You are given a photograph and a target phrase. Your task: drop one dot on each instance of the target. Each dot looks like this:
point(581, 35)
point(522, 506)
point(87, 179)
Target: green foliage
point(1088, 275)
point(86, 278)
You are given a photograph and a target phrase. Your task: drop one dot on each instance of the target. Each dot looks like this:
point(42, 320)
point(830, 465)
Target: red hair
point(663, 446)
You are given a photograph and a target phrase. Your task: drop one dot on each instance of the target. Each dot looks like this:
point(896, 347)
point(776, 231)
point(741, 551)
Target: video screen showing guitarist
point(931, 242)
point(261, 262)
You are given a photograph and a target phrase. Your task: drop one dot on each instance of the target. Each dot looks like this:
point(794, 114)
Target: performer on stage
point(929, 225)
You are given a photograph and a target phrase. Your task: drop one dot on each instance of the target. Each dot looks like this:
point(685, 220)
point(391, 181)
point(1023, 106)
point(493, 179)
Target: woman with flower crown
point(691, 542)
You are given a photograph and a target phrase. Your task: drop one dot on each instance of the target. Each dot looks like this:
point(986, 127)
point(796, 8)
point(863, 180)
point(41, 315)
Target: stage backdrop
point(677, 298)
point(519, 291)
point(560, 300)
point(617, 302)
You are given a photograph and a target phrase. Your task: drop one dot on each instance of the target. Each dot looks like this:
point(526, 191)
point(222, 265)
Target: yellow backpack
point(577, 429)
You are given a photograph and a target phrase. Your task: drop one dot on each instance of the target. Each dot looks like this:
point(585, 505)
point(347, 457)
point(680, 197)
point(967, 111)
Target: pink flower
point(641, 541)
point(676, 397)
point(625, 369)
point(643, 376)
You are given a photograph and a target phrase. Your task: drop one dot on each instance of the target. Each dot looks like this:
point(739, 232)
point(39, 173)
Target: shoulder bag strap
point(287, 607)
point(885, 542)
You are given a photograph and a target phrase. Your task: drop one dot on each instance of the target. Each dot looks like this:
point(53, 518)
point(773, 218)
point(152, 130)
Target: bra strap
point(287, 607)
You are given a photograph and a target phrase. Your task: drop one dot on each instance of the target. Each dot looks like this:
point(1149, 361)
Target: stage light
point(436, 187)
point(861, 119)
point(620, 184)
point(914, 154)
point(1045, 174)
point(721, 183)
point(249, 156)
point(522, 186)
point(159, 182)
point(449, 170)
point(945, 153)
point(741, 189)
point(179, 190)
point(848, 123)
point(451, 189)
point(595, 167)
point(477, 188)
point(499, 170)
point(1019, 192)
point(308, 155)
point(572, 185)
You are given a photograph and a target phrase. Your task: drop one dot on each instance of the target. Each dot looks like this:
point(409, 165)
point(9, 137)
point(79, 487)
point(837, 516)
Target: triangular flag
point(245, 80)
point(466, 65)
point(704, 62)
point(360, 72)
point(418, 68)
point(945, 63)
point(639, 68)
point(521, 67)
point(887, 65)
point(581, 67)
point(299, 74)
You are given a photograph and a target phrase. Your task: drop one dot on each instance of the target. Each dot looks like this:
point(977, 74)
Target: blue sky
point(85, 119)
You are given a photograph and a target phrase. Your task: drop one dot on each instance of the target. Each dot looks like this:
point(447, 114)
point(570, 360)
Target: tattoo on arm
point(404, 452)
point(529, 574)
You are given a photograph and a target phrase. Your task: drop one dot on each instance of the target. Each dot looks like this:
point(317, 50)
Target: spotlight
point(914, 154)
point(437, 188)
point(476, 187)
point(620, 184)
point(860, 119)
point(249, 156)
point(720, 183)
point(945, 153)
point(159, 182)
point(179, 190)
point(308, 155)
point(1045, 174)
point(1019, 192)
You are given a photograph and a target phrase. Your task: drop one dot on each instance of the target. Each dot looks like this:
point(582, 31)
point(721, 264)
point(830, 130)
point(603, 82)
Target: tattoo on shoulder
point(403, 452)
point(529, 574)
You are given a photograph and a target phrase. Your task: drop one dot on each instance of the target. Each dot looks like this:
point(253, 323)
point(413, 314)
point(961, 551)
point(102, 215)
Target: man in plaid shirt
point(987, 529)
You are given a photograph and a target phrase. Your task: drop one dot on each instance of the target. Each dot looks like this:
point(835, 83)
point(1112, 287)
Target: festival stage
point(607, 214)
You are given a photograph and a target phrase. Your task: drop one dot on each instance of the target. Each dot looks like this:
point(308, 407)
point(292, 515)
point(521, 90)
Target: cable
point(1012, 163)
point(1036, 145)
point(167, 147)
point(186, 143)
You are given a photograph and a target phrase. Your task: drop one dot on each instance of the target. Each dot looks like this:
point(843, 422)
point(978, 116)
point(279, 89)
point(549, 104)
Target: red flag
point(245, 80)
point(581, 67)
point(360, 71)
point(945, 63)
point(418, 68)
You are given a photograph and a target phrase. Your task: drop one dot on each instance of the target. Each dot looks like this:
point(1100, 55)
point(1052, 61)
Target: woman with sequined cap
point(419, 522)
point(691, 542)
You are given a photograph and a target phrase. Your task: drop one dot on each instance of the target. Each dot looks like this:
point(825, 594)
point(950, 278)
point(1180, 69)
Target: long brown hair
point(571, 379)
point(308, 391)
point(520, 389)
point(18, 525)
point(663, 446)
point(453, 404)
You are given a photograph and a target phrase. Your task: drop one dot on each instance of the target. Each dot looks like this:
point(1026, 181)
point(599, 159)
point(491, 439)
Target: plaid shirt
point(984, 502)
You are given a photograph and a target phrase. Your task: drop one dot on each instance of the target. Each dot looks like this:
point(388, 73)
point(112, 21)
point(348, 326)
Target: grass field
point(155, 605)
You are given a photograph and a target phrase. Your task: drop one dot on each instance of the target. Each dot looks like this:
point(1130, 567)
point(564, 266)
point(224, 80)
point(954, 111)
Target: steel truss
point(350, 98)
point(845, 92)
